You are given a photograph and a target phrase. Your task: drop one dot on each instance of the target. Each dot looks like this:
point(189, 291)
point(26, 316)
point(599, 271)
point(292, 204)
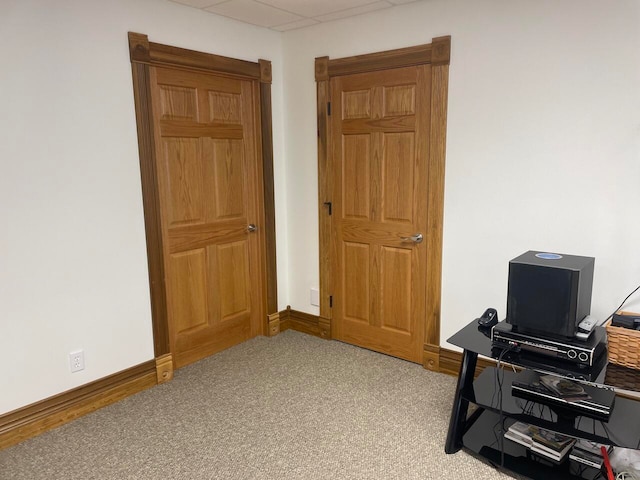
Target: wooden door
point(379, 162)
point(210, 188)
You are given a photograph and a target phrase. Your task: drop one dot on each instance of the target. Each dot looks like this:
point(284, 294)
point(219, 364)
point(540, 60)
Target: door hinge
point(329, 207)
point(330, 301)
point(329, 109)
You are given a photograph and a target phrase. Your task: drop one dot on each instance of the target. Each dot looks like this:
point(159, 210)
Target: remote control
point(587, 324)
point(584, 336)
point(489, 318)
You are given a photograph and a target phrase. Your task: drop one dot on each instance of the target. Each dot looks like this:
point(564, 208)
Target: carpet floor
point(288, 407)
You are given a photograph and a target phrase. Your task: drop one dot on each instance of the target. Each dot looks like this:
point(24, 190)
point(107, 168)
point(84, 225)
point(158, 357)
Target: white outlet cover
point(315, 297)
point(76, 361)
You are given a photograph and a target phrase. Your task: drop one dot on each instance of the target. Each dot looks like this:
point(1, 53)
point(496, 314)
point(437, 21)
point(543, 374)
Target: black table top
point(476, 339)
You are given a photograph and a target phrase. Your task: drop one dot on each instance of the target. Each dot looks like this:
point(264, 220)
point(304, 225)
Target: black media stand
point(479, 430)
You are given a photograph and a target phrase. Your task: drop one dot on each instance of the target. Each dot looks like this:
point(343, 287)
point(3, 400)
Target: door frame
point(143, 55)
point(438, 55)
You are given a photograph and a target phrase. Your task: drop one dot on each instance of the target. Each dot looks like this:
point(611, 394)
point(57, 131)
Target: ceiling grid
point(284, 15)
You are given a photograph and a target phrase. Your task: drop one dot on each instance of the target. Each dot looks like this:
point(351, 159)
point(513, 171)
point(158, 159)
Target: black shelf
point(480, 433)
point(517, 458)
point(621, 429)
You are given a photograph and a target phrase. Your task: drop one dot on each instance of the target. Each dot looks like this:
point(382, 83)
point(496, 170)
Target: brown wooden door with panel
point(207, 142)
point(379, 163)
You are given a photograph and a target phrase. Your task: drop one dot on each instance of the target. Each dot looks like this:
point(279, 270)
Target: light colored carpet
point(288, 407)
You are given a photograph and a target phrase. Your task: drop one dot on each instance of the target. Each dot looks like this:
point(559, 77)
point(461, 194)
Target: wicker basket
point(622, 377)
point(624, 346)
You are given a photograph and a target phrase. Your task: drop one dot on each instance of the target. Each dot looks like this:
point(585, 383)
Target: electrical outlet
point(76, 361)
point(315, 297)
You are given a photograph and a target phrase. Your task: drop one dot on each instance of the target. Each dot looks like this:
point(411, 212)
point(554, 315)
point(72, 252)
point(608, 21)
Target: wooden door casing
point(216, 136)
point(386, 114)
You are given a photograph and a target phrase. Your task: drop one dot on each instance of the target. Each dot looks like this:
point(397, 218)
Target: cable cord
point(626, 476)
point(623, 302)
point(499, 379)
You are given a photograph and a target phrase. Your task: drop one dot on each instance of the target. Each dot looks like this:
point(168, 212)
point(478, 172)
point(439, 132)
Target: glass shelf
point(482, 440)
point(621, 429)
point(479, 429)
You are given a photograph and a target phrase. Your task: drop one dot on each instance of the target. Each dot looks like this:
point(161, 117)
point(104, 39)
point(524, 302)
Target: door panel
point(395, 286)
point(208, 176)
point(186, 287)
point(178, 103)
point(184, 179)
point(356, 273)
point(399, 100)
point(233, 272)
point(228, 178)
point(398, 177)
point(379, 139)
point(356, 176)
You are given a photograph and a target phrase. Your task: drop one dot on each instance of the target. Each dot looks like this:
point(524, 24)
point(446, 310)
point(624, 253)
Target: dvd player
point(597, 403)
point(585, 353)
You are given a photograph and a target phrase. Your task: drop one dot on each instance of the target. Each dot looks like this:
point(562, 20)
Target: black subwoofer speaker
point(549, 294)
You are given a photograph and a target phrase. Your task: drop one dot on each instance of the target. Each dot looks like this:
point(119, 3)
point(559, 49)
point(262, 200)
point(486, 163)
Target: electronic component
point(575, 351)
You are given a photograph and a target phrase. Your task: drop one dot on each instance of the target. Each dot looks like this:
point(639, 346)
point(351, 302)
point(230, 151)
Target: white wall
point(543, 142)
point(543, 152)
point(73, 271)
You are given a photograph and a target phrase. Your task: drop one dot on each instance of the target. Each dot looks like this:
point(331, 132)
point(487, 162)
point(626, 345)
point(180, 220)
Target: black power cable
point(623, 302)
point(499, 379)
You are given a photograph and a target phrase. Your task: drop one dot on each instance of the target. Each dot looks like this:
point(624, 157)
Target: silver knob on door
point(417, 238)
point(251, 228)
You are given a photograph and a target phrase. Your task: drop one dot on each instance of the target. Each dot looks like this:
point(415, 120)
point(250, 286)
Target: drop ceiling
point(283, 15)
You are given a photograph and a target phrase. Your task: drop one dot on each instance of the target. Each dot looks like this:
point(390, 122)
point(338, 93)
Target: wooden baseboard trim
point(303, 322)
point(449, 361)
point(431, 357)
point(164, 368)
point(274, 324)
point(435, 358)
point(39, 417)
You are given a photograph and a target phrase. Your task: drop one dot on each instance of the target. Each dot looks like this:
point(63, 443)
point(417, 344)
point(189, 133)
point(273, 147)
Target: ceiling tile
point(199, 3)
point(314, 8)
point(307, 22)
point(250, 11)
point(284, 15)
point(354, 11)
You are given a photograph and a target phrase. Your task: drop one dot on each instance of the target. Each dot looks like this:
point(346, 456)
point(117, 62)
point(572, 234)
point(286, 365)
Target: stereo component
point(581, 352)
